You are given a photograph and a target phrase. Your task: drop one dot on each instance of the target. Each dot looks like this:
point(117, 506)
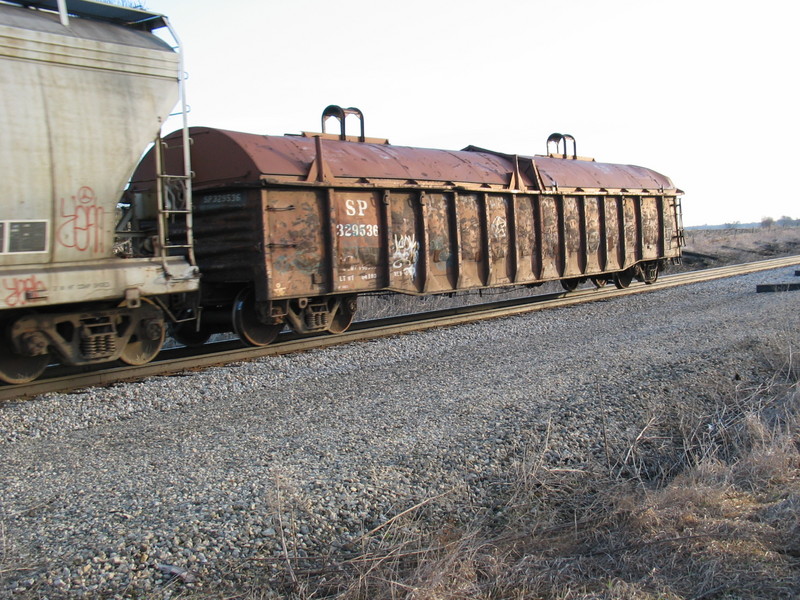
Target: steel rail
point(182, 359)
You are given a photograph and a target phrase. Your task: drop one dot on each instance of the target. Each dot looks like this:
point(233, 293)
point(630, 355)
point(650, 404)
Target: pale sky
point(703, 91)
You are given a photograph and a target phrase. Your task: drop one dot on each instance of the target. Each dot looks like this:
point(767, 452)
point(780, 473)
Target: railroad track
point(182, 359)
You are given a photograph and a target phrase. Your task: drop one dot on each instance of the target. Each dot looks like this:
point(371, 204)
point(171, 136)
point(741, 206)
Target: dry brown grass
point(703, 506)
point(718, 247)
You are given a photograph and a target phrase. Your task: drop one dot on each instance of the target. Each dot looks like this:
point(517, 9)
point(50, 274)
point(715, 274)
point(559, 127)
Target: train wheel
point(599, 281)
point(650, 273)
point(250, 330)
point(187, 334)
point(344, 316)
point(623, 279)
point(146, 342)
point(570, 285)
point(16, 368)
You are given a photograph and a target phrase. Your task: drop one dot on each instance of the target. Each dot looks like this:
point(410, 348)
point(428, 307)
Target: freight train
point(290, 230)
point(220, 231)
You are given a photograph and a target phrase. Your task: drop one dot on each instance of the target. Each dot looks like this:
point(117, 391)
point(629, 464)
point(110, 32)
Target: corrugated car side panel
point(573, 233)
point(404, 241)
point(651, 228)
point(358, 236)
point(499, 220)
point(671, 226)
point(441, 248)
point(594, 238)
point(551, 240)
point(473, 271)
point(526, 239)
point(615, 241)
point(631, 230)
point(297, 241)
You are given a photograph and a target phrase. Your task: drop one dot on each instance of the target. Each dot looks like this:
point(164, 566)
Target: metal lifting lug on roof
point(558, 139)
point(337, 112)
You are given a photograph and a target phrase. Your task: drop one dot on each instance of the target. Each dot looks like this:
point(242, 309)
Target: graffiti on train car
point(23, 290)
point(405, 251)
point(83, 222)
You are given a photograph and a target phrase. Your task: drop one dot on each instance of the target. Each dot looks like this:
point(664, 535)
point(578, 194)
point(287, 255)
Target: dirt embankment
point(706, 248)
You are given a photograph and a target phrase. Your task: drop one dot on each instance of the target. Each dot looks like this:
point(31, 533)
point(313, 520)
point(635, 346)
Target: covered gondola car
point(291, 229)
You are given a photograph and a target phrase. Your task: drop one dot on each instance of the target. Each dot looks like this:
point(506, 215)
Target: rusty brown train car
point(289, 230)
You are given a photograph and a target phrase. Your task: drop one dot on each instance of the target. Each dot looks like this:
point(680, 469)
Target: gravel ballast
point(192, 480)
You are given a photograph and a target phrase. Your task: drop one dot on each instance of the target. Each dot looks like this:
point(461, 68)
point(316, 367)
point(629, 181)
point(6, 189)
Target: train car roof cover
point(228, 154)
point(565, 173)
point(100, 11)
point(222, 157)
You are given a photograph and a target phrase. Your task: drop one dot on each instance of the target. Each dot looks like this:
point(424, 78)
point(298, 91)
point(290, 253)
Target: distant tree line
point(784, 221)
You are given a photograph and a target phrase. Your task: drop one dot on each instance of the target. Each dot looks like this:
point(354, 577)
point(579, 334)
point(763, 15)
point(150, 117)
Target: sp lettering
point(355, 208)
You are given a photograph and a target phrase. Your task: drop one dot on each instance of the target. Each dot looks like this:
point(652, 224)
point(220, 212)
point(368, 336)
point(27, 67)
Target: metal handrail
point(558, 139)
point(186, 179)
point(341, 114)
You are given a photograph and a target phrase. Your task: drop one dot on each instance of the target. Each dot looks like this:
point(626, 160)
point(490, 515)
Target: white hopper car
point(86, 87)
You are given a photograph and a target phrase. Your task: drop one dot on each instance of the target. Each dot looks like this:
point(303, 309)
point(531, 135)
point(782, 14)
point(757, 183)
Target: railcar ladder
point(174, 192)
point(679, 221)
point(174, 199)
